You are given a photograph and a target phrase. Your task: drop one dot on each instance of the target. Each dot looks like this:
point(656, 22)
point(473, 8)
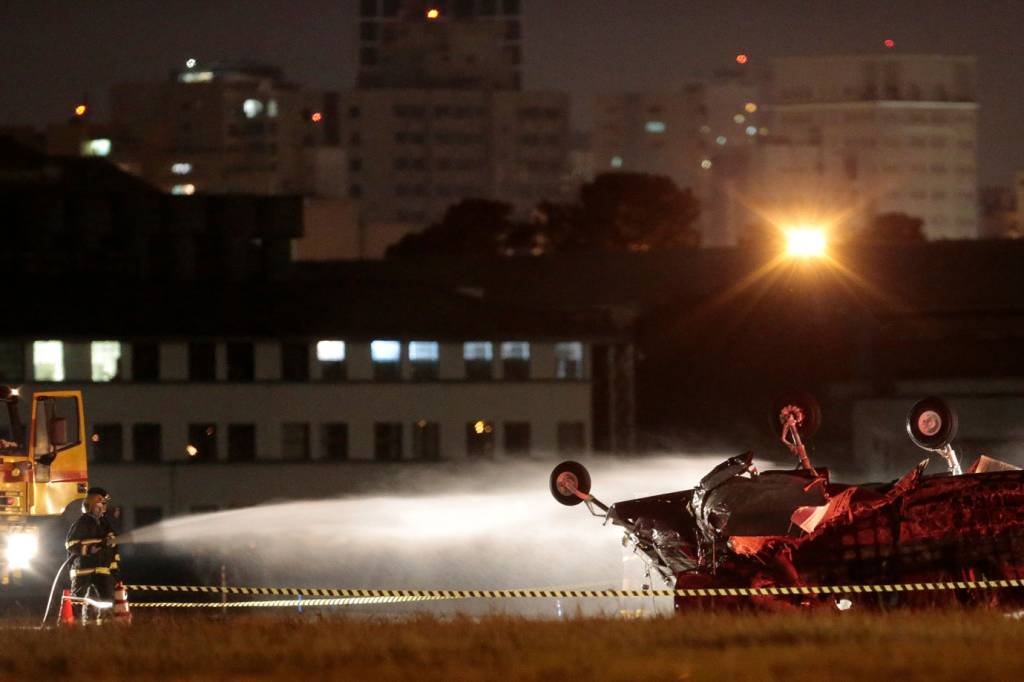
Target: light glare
point(805, 242)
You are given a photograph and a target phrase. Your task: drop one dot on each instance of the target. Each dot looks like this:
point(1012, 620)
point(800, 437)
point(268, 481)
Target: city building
point(703, 135)
point(439, 115)
point(855, 137)
point(205, 398)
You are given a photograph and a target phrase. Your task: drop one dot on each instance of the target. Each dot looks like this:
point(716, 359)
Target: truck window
point(56, 427)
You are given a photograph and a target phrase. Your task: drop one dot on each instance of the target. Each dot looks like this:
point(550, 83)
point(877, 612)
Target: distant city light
point(741, 58)
point(805, 241)
point(616, 162)
point(81, 110)
point(252, 108)
point(890, 43)
point(181, 168)
point(762, 131)
point(99, 146)
point(750, 107)
point(191, 450)
point(656, 127)
point(704, 130)
point(186, 189)
point(190, 63)
point(721, 140)
point(433, 13)
point(739, 118)
point(705, 164)
point(751, 130)
point(316, 117)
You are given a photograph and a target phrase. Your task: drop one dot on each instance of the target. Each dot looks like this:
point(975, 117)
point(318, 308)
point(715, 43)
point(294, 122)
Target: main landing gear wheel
point(932, 424)
point(800, 404)
point(566, 479)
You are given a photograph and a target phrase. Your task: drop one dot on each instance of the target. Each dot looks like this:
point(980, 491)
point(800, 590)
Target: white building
point(309, 414)
point(860, 136)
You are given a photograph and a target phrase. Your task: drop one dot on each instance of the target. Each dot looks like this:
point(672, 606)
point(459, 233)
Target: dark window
point(355, 191)
point(479, 359)
point(368, 31)
point(241, 442)
point(295, 440)
point(355, 164)
point(354, 112)
point(515, 360)
point(335, 440)
point(241, 362)
point(107, 443)
point(512, 30)
point(387, 441)
point(510, 6)
point(571, 437)
point(145, 361)
point(517, 438)
point(424, 358)
point(294, 361)
point(465, 9)
point(368, 8)
point(368, 56)
point(390, 8)
point(488, 7)
point(147, 443)
point(147, 516)
point(202, 442)
point(202, 361)
point(479, 438)
point(12, 362)
point(426, 441)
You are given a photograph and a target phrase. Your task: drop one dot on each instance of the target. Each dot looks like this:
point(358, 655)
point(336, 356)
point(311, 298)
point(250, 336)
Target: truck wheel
point(931, 424)
point(566, 478)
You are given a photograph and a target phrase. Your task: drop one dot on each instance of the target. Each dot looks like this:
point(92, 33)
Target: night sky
point(53, 51)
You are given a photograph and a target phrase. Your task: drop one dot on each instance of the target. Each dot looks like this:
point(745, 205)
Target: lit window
point(385, 351)
point(48, 360)
point(181, 168)
point(272, 108)
point(569, 360)
point(97, 147)
point(330, 351)
point(515, 360)
point(252, 108)
point(186, 189)
point(515, 350)
point(721, 140)
point(423, 351)
point(196, 77)
point(655, 127)
point(105, 357)
point(477, 350)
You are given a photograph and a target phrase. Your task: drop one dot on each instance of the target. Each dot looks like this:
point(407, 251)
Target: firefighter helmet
point(95, 494)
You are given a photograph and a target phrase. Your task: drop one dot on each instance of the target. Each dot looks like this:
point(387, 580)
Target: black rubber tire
point(932, 424)
point(582, 482)
point(807, 403)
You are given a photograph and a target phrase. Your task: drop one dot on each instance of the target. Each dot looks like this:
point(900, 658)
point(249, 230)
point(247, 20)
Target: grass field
point(950, 645)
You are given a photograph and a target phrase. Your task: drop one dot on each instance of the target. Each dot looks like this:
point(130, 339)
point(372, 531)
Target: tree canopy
point(614, 212)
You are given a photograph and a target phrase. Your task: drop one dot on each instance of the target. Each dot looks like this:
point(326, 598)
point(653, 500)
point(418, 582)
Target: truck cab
point(43, 471)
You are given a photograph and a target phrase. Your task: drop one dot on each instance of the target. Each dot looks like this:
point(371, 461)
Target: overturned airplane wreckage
point(744, 528)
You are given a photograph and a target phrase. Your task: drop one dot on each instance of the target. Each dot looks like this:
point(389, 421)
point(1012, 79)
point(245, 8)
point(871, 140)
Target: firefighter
point(92, 546)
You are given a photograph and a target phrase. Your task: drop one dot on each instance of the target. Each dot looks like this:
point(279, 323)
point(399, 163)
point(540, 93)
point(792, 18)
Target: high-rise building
point(860, 136)
point(439, 114)
point(444, 44)
point(702, 136)
point(227, 129)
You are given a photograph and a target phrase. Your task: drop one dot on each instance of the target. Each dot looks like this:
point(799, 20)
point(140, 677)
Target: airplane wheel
point(566, 478)
point(932, 424)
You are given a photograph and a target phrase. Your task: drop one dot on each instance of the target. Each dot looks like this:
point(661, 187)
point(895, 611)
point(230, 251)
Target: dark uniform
point(92, 545)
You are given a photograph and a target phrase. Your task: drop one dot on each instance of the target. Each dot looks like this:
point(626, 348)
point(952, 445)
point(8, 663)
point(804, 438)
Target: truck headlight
point(21, 549)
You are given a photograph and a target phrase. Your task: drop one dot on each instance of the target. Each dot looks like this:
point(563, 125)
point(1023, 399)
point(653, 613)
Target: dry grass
point(933, 646)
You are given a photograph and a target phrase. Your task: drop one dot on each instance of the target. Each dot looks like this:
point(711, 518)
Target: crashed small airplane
point(740, 527)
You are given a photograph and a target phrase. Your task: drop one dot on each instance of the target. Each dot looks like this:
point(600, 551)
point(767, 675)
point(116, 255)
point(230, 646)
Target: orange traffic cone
point(67, 613)
point(122, 614)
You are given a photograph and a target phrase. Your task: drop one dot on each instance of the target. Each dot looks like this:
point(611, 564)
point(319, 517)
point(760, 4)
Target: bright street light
point(805, 241)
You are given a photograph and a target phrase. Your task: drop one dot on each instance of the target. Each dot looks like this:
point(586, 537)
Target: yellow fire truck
point(43, 474)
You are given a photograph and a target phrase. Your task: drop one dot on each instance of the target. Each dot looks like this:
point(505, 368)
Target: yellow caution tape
point(579, 594)
point(287, 603)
